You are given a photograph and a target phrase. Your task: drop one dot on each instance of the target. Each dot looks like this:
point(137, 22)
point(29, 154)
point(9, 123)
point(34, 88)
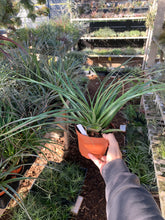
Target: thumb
point(94, 159)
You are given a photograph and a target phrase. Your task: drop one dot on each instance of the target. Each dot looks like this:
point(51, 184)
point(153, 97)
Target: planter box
point(155, 132)
point(139, 10)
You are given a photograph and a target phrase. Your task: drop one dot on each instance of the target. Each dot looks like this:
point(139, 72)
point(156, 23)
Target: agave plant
point(96, 113)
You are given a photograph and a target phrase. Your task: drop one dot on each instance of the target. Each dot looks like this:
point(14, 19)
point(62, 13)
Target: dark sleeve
point(126, 198)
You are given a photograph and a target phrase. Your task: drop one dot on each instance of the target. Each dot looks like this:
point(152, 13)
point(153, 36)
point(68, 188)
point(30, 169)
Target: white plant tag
point(76, 208)
point(123, 128)
point(81, 129)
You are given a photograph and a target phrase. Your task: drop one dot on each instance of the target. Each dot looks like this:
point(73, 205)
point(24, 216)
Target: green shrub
point(53, 38)
point(130, 51)
point(134, 33)
point(116, 52)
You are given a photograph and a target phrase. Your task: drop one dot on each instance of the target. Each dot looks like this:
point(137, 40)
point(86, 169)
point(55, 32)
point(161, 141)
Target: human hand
point(113, 152)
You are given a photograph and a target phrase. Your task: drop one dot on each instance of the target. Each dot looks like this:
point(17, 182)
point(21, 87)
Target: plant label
point(81, 129)
point(123, 128)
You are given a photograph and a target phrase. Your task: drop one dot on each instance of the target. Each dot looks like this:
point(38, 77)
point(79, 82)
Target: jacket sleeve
point(126, 198)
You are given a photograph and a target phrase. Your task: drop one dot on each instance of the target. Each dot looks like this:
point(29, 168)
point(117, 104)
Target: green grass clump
point(114, 51)
point(104, 32)
point(134, 33)
point(137, 154)
point(161, 149)
point(54, 193)
point(139, 161)
point(107, 32)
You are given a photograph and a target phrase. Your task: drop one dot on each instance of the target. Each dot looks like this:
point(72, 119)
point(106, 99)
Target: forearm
point(126, 198)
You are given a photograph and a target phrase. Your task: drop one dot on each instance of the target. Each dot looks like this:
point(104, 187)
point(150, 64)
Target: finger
point(103, 158)
point(108, 136)
point(111, 138)
point(94, 159)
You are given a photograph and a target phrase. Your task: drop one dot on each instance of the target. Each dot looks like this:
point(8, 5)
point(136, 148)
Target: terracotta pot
point(94, 145)
point(13, 172)
point(3, 192)
point(18, 170)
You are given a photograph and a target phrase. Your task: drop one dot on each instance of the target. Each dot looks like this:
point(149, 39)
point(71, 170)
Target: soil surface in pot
point(94, 205)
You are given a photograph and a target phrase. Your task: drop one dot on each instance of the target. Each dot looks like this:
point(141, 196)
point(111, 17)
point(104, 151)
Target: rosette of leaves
point(96, 113)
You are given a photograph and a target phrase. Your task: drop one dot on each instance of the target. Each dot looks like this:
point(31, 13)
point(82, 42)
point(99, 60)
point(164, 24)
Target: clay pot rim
point(87, 135)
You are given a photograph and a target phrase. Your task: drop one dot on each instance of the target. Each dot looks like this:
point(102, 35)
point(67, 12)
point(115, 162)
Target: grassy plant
point(115, 51)
point(139, 161)
point(136, 125)
point(54, 193)
point(104, 32)
point(21, 130)
point(130, 51)
point(32, 66)
point(150, 18)
point(17, 148)
point(134, 33)
point(143, 33)
point(161, 149)
point(137, 154)
point(5, 41)
point(53, 38)
point(107, 32)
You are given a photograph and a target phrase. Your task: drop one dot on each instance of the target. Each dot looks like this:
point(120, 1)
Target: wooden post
point(158, 24)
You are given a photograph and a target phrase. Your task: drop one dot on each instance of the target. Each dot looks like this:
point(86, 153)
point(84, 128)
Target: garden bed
point(157, 140)
point(93, 191)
